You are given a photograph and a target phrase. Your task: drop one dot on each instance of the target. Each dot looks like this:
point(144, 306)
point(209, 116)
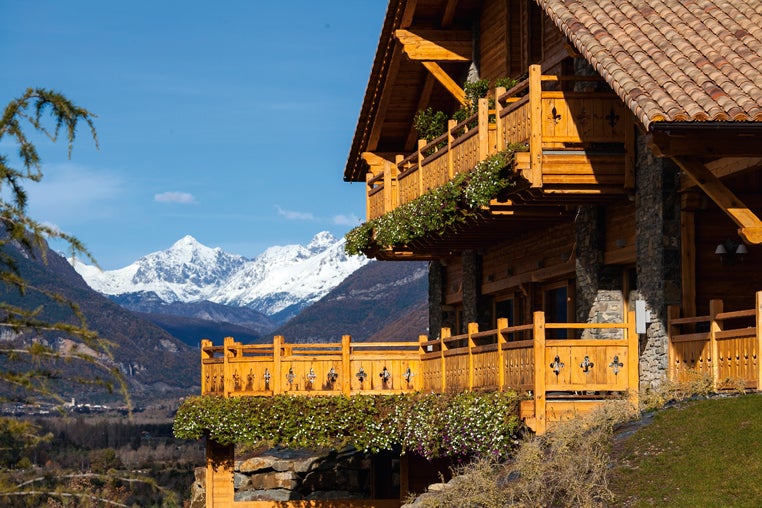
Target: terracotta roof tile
point(671, 60)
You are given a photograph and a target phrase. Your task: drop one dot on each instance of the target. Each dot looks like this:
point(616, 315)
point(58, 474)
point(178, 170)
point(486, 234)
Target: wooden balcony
point(580, 144)
point(518, 357)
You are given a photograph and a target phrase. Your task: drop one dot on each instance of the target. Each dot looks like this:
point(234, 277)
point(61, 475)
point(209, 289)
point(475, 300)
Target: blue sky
point(229, 121)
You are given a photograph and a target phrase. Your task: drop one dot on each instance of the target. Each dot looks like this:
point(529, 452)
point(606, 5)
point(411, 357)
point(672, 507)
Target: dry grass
point(696, 384)
point(567, 466)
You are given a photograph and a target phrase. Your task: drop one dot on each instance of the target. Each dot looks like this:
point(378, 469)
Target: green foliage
point(430, 124)
point(16, 436)
point(435, 211)
point(51, 114)
point(431, 425)
point(506, 83)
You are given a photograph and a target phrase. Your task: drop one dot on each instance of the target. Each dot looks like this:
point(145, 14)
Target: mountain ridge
point(278, 283)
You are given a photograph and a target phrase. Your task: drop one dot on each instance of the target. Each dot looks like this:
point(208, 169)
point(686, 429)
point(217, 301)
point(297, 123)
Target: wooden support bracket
point(436, 45)
point(436, 70)
point(750, 226)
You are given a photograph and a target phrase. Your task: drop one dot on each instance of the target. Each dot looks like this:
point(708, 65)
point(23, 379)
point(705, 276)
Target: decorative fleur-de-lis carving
point(250, 379)
point(290, 376)
point(554, 115)
point(612, 118)
point(267, 377)
point(236, 380)
point(557, 365)
point(408, 375)
point(586, 364)
point(332, 376)
point(311, 376)
point(385, 375)
point(616, 365)
point(361, 375)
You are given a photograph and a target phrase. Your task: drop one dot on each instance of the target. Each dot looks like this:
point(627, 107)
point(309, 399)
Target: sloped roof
point(670, 60)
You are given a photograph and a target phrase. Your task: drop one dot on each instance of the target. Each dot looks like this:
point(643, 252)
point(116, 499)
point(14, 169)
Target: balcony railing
point(725, 346)
point(476, 360)
point(579, 141)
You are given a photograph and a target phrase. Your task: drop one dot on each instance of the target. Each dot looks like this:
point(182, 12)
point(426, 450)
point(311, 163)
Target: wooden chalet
point(625, 253)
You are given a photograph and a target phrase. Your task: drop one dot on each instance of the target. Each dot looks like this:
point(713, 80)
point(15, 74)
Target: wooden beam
point(383, 103)
point(446, 81)
point(708, 143)
point(688, 255)
point(377, 159)
point(724, 167)
point(449, 13)
point(750, 227)
point(436, 45)
point(409, 14)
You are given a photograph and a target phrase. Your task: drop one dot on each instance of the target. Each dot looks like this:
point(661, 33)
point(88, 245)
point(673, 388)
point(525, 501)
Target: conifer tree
point(37, 111)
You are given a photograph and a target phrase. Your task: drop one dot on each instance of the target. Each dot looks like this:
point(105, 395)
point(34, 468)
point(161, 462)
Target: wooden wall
point(538, 255)
point(514, 34)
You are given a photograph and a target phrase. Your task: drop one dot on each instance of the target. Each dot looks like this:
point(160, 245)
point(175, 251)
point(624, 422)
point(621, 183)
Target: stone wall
point(657, 218)
point(283, 475)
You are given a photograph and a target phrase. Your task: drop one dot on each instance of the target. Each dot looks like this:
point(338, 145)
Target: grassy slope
point(704, 453)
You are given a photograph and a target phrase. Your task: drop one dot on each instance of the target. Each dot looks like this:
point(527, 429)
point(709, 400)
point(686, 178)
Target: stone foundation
point(283, 475)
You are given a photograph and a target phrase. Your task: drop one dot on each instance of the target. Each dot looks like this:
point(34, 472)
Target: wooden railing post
point(442, 348)
point(633, 360)
point(421, 144)
point(277, 366)
point(539, 371)
point(227, 374)
point(420, 382)
point(673, 312)
point(472, 329)
point(205, 343)
point(450, 138)
point(535, 125)
point(389, 175)
point(715, 307)
point(368, 177)
point(502, 323)
point(346, 367)
point(758, 323)
point(499, 135)
point(483, 123)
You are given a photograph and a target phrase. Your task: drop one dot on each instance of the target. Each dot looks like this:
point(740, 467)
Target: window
point(558, 305)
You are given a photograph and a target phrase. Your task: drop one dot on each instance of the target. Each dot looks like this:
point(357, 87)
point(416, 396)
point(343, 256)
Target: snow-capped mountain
point(282, 278)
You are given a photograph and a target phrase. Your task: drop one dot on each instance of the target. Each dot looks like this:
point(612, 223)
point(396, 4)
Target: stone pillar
point(471, 288)
point(436, 298)
point(657, 222)
point(588, 258)
point(598, 294)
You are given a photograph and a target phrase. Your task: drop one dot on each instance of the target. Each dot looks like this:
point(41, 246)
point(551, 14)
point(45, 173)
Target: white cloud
point(183, 198)
point(294, 215)
point(346, 220)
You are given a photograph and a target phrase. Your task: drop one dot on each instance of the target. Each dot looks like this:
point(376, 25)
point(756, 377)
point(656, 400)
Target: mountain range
point(309, 293)
point(278, 283)
point(156, 340)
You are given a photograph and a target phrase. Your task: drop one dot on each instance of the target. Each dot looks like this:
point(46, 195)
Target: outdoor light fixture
point(730, 251)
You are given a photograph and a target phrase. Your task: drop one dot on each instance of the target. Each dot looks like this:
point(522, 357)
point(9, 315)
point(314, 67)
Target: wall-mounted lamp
point(731, 251)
